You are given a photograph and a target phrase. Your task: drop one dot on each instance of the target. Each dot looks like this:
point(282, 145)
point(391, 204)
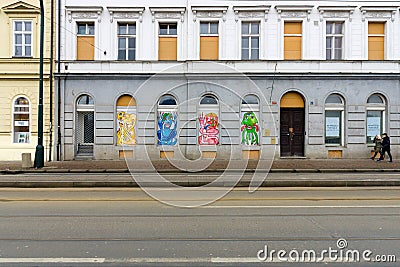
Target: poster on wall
point(332, 127)
point(126, 122)
point(249, 129)
point(373, 126)
point(167, 125)
point(208, 129)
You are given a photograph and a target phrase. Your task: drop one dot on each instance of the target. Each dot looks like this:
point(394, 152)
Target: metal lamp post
point(39, 153)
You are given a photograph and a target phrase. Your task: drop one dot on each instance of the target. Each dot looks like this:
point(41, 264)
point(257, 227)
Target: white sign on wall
point(373, 126)
point(332, 126)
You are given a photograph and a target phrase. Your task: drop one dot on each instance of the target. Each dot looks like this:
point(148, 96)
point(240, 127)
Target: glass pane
point(374, 124)
point(121, 54)
point(81, 28)
point(333, 127)
point(250, 99)
point(245, 54)
point(121, 43)
point(132, 29)
point(204, 28)
point(18, 39)
point(27, 39)
point(338, 42)
point(333, 99)
point(21, 101)
point(173, 29)
point(18, 25)
point(85, 100)
point(208, 100)
point(245, 28)
point(214, 28)
point(18, 50)
point(163, 29)
point(375, 99)
point(28, 51)
point(254, 54)
point(245, 42)
point(329, 42)
point(131, 43)
point(329, 26)
point(328, 54)
point(254, 28)
point(88, 130)
point(122, 29)
point(338, 53)
point(91, 29)
point(254, 42)
point(28, 26)
point(338, 28)
point(167, 100)
point(131, 54)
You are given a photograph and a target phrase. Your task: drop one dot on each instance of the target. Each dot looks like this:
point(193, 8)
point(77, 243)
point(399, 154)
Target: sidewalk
point(280, 165)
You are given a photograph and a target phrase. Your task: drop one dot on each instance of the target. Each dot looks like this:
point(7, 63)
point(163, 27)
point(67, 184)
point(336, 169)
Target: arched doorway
point(292, 116)
point(84, 131)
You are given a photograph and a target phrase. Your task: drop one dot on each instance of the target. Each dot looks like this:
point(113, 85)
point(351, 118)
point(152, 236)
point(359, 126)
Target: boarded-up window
point(209, 41)
point(376, 40)
point(292, 40)
point(85, 41)
point(167, 41)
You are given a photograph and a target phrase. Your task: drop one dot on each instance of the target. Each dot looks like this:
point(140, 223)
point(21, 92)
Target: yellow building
point(19, 77)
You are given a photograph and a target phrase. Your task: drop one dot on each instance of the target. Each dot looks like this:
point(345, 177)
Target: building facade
point(19, 77)
point(227, 79)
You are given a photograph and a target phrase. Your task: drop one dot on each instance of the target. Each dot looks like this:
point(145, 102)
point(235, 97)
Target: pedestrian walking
point(378, 146)
point(385, 147)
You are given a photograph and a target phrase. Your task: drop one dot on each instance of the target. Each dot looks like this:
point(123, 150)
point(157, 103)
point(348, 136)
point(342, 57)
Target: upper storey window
point(209, 41)
point(292, 40)
point(250, 40)
point(22, 38)
point(126, 41)
point(85, 41)
point(334, 40)
point(167, 41)
point(376, 40)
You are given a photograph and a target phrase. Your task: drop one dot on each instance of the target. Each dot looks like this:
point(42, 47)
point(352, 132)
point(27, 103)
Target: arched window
point(376, 114)
point(84, 125)
point(167, 121)
point(126, 120)
point(250, 112)
point(334, 122)
point(21, 117)
point(208, 121)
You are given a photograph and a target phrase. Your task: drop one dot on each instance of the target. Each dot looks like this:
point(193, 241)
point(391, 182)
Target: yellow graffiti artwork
point(126, 128)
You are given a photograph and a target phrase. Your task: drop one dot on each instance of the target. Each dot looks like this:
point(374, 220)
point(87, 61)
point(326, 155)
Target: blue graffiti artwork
point(167, 124)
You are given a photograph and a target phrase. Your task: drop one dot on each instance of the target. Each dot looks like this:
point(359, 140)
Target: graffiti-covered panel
point(126, 122)
point(249, 128)
point(167, 127)
point(208, 129)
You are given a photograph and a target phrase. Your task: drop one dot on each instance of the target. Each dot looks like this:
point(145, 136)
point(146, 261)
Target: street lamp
point(39, 153)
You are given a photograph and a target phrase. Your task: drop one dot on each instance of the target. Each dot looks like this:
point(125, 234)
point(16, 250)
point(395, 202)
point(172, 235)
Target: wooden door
point(292, 132)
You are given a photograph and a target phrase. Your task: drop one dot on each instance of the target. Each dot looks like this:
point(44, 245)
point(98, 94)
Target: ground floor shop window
point(334, 108)
point(249, 128)
point(21, 114)
point(374, 124)
point(167, 121)
point(126, 120)
point(84, 125)
point(208, 121)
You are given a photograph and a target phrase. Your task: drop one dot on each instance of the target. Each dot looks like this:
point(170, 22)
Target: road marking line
point(52, 260)
point(304, 206)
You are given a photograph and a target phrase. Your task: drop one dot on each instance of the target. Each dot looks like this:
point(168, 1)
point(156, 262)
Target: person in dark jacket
point(378, 146)
point(385, 147)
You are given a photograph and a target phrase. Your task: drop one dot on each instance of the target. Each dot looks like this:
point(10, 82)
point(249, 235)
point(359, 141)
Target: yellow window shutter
point(292, 48)
point(209, 47)
point(167, 48)
point(85, 48)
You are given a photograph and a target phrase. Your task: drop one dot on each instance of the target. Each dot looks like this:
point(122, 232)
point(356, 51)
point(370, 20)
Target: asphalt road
point(124, 227)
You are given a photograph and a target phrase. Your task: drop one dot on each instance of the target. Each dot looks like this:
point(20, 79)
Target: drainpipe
point(51, 78)
point(59, 82)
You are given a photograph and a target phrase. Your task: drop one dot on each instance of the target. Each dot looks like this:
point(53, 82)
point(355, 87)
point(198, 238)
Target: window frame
point(127, 36)
point(384, 35)
point(382, 107)
point(23, 32)
point(338, 108)
point(334, 36)
point(168, 29)
point(302, 21)
point(250, 35)
point(13, 139)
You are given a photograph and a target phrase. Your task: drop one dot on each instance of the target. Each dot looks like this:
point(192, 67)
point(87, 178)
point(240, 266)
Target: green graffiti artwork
point(249, 129)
